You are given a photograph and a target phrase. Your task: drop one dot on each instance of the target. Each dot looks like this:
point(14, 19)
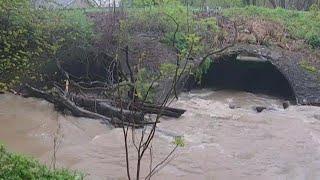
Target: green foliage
point(217, 3)
point(179, 141)
point(158, 18)
point(143, 3)
point(227, 3)
point(314, 40)
point(179, 38)
point(207, 24)
point(31, 38)
point(189, 46)
point(148, 3)
point(183, 42)
point(300, 24)
point(144, 86)
point(315, 7)
point(203, 69)
point(167, 70)
point(174, 24)
point(16, 167)
point(305, 65)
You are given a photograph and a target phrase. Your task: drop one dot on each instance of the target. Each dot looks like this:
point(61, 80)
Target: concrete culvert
point(262, 69)
point(247, 75)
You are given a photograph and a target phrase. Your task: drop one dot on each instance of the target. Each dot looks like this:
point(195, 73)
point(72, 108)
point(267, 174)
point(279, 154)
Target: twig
point(155, 169)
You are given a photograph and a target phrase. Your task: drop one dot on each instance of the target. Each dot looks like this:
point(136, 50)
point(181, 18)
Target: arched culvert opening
point(251, 75)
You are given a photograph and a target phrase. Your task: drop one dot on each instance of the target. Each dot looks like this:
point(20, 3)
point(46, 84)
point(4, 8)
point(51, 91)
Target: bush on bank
point(18, 167)
point(31, 39)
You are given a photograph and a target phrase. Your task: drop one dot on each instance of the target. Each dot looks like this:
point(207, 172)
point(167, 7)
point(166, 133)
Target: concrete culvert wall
point(247, 75)
point(269, 70)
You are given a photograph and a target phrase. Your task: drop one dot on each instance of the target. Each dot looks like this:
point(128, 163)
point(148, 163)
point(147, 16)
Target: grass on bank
point(18, 167)
point(300, 24)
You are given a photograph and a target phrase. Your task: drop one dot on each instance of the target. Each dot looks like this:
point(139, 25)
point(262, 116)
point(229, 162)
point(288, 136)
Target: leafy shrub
point(144, 86)
point(221, 3)
point(16, 167)
point(147, 3)
point(158, 18)
point(180, 40)
point(202, 70)
point(179, 141)
point(31, 38)
point(314, 40)
point(167, 70)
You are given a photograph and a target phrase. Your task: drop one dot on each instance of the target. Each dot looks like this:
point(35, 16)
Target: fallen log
point(64, 102)
point(156, 109)
point(59, 99)
point(109, 111)
point(138, 108)
point(33, 92)
point(93, 86)
point(104, 107)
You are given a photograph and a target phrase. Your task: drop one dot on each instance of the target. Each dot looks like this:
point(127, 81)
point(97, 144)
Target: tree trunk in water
point(109, 111)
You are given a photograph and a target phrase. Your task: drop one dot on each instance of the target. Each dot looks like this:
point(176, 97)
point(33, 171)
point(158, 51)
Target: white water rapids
point(220, 143)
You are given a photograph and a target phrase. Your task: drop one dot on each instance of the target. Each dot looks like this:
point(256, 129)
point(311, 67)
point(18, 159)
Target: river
point(220, 143)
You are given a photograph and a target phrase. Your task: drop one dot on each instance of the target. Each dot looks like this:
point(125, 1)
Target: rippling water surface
point(221, 143)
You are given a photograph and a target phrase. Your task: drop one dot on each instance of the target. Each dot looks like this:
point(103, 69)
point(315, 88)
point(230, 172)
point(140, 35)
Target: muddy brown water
point(220, 143)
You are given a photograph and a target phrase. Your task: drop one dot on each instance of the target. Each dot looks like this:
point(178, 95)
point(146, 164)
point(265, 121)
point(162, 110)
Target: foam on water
point(220, 143)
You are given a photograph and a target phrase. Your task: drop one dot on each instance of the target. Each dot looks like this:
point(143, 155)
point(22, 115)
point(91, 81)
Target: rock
point(260, 108)
point(233, 106)
point(317, 116)
point(271, 109)
point(285, 104)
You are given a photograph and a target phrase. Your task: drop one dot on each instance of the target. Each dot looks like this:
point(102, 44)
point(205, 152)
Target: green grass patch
point(19, 167)
point(300, 24)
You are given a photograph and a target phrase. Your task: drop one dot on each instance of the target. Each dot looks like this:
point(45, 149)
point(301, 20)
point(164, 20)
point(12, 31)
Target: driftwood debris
point(156, 109)
point(81, 98)
point(107, 110)
point(103, 107)
point(62, 101)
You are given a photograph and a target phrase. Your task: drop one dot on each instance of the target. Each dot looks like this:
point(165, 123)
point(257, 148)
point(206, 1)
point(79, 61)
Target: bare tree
point(123, 108)
point(145, 139)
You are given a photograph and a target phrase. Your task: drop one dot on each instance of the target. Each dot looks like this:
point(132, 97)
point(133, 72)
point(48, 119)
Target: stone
point(285, 104)
point(260, 108)
point(233, 106)
point(317, 116)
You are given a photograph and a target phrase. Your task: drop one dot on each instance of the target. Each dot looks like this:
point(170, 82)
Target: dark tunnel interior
point(250, 76)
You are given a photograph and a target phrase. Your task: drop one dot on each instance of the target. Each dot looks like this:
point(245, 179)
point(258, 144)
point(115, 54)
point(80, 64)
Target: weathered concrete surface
point(305, 84)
